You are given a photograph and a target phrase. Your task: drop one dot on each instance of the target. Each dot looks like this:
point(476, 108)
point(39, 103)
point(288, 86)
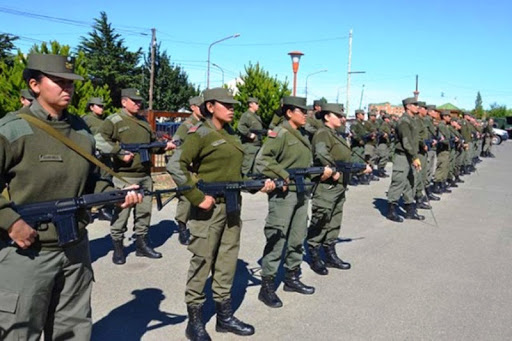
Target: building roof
point(448, 106)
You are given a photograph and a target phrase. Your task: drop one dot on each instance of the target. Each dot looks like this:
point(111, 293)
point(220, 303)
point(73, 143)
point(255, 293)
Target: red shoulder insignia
point(193, 129)
point(272, 134)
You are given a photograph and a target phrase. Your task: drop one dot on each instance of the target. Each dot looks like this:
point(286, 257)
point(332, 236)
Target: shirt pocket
point(8, 301)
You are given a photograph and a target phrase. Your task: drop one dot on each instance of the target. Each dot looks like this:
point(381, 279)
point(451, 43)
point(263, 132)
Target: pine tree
point(257, 82)
point(6, 46)
point(109, 60)
point(479, 109)
point(171, 90)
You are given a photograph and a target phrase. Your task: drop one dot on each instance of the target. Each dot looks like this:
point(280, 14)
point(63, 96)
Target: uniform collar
point(37, 109)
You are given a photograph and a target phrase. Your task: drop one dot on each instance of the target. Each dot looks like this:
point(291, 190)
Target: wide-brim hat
point(220, 95)
point(299, 102)
point(359, 111)
point(131, 93)
point(334, 108)
point(196, 100)
point(253, 100)
point(53, 65)
point(95, 100)
point(410, 100)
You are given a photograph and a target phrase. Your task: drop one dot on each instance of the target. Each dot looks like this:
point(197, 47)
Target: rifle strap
point(138, 122)
point(70, 144)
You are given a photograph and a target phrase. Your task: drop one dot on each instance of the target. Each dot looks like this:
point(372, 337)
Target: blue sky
point(456, 47)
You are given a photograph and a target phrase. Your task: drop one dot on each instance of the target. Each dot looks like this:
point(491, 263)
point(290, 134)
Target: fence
point(165, 124)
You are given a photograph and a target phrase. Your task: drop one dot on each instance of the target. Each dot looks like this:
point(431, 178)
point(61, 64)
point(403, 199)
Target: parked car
point(500, 135)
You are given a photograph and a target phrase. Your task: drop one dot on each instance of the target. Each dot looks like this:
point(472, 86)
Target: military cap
point(359, 111)
point(195, 100)
point(422, 104)
point(53, 65)
point(431, 107)
point(386, 116)
point(299, 102)
point(95, 100)
point(334, 108)
point(410, 100)
point(467, 113)
point(27, 94)
point(318, 102)
point(253, 100)
point(131, 93)
point(220, 95)
point(372, 113)
point(445, 113)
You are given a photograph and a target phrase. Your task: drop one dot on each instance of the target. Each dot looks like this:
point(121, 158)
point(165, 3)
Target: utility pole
point(348, 70)
point(416, 92)
point(361, 100)
point(152, 72)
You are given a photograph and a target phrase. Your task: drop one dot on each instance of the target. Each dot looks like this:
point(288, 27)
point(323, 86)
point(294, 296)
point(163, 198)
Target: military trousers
point(451, 172)
point(431, 166)
point(141, 212)
point(383, 155)
point(443, 166)
point(214, 243)
point(358, 154)
point(182, 209)
point(250, 151)
point(46, 291)
point(285, 230)
point(402, 180)
point(421, 176)
point(469, 154)
point(370, 154)
point(326, 214)
point(486, 146)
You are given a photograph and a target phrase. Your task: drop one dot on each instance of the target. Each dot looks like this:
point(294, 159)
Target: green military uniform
point(488, 134)
point(383, 146)
point(403, 177)
point(126, 128)
point(357, 140)
point(312, 125)
point(250, 120)
point(422, 155)
point(286, 221)
point(431, 154)
point(45, 286)
point(370, 147)
point(443, 154)
point(214, 155)
point(92, 120)
point(466, 135)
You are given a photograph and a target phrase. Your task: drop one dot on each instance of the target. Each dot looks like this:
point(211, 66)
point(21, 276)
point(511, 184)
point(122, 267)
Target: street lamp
point(295, 55)
point(221, 70)
point(209, 48)
point(311, 74)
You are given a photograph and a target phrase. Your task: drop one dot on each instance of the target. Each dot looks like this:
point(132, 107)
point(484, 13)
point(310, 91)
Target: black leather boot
point(195, 327)
point(422, 204)
point(445, 187)
point(118, 257)
point(392, 215)
point(458, 179)
point(383, 173)
point(438, 188)
point(412, 213)
point(364, 179)
point(227, 323)
point(292, 283)
point(317, 264)
point(183, 233)
point(453, 183)
point(332, 260)
point(353, 181)
point(268, 293)
point(144, 250)
point(373, 177)
point(431, 195)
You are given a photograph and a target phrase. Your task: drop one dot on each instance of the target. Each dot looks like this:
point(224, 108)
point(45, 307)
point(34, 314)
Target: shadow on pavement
point(244, 277)
point(132, 320)
point(158, 235)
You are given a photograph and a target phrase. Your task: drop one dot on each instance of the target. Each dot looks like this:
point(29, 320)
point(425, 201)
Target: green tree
point(497, 110)
point(479, 109)
point(109, 60)
point(171, 89)
point(6, 46)
point(11, 82)
point(257, 82)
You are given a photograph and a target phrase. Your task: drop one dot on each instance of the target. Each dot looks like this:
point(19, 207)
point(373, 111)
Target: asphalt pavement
point(449, 280)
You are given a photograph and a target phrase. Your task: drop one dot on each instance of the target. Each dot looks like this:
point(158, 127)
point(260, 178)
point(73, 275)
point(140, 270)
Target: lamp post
point(209, 48)
point(311, 74)
point(221, 70)
point(295, 55)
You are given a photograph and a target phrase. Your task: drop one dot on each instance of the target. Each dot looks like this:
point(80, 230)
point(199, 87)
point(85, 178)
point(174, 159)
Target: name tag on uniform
point(291, 143)
point(218, 142)
point(50, 158)
point(123, 129)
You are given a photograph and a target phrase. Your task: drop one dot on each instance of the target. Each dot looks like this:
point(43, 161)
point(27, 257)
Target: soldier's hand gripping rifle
point(259, 132)
point(62, 212)
point(349, 168)
point(143, 149)
point(298, 175)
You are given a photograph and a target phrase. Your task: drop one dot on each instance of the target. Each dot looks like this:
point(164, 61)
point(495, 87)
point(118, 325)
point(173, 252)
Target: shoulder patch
point(12, 127)
point(195, 127)
point(272, 134)
point(116, 118)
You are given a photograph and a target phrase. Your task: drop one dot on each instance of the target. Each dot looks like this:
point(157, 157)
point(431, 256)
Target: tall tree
point(108, 59)
point(479, 108)
point(257, 82)
point(171, 89)
point(6, 46)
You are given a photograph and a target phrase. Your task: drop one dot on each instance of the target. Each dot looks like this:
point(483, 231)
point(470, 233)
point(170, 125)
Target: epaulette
point(272, 134)
point(194, 128)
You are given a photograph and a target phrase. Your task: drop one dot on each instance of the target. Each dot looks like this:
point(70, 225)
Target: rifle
point(62, 212)
point(230, 190)
point(259, 132)
point(143, 148)
point(348, 168)
point(298, 175)
point(370, 136)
